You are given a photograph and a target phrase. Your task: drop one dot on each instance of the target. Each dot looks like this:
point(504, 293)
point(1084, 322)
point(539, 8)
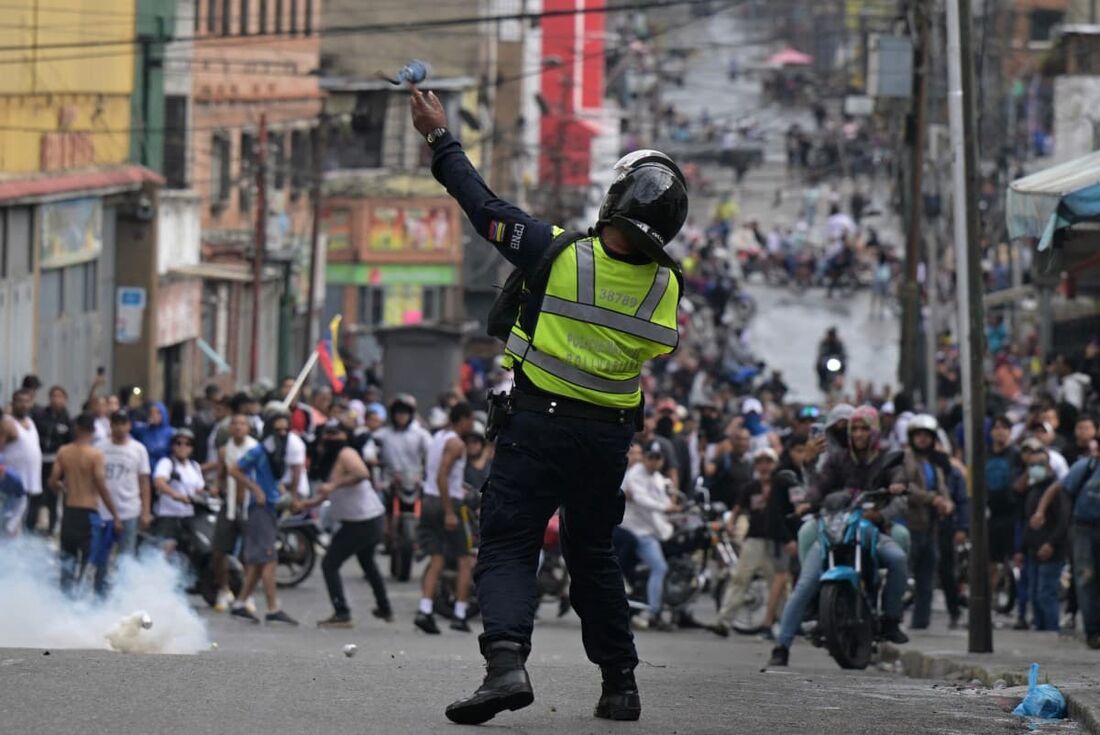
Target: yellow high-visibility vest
point(601, 320)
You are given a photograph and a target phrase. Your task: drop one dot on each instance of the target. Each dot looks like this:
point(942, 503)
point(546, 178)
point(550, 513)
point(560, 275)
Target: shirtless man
point(79, 472)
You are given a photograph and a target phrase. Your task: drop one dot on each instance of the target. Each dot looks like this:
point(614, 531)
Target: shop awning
point(94, 181)
point(1055, 198)
point(790, 57)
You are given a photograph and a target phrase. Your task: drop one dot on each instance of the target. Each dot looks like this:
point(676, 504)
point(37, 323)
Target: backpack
point(519, 290)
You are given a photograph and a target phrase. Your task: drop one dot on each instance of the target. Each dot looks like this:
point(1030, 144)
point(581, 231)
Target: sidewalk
point(1064, 661)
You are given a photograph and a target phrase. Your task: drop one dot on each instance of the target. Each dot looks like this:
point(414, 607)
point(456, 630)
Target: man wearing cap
point(582, 316)
point(760, 553)
point(658, 428)
point(647, 503)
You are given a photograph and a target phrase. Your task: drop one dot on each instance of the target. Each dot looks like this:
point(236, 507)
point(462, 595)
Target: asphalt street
point(788, 325)
point(283, 680)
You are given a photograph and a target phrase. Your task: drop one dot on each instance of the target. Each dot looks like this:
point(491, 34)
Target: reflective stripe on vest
point(567, 372)
point(600, 320)
point(622, 322)
point(653, 298)
point(586, 272)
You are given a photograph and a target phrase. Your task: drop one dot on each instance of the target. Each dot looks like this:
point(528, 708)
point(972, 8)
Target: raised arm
point(518, 236)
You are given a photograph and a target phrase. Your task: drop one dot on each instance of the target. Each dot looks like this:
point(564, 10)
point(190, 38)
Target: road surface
point(283, 680)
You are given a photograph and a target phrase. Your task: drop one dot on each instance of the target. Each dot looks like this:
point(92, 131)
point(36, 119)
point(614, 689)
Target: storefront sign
point(70, 232)
point(366, 274)
point(337, 229)
point(418, 229)
point(179, 312)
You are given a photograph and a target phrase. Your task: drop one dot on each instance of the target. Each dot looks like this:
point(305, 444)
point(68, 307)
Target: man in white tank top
point(19, 442)
point(445, 519)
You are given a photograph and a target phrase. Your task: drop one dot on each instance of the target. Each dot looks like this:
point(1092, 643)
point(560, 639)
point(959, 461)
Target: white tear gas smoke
point(146, 610)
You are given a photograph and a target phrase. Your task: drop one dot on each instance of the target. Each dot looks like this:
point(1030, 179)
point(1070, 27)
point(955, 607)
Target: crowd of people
point(127, 471)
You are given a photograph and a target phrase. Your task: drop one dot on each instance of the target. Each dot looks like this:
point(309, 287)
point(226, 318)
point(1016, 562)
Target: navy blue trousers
point(543, 462)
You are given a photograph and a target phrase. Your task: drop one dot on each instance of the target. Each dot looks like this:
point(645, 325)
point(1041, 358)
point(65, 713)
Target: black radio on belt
point(500, 407)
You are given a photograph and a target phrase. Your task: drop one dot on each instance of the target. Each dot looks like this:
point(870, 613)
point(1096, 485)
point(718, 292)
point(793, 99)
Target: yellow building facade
point(66, 76)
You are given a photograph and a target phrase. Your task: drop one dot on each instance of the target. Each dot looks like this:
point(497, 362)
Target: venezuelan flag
point(329, 351)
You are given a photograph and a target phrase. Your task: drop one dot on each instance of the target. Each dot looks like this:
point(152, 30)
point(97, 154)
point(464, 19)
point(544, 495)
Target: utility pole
point(931, 321)
point(910, 291)
point(317, 192)
point(259, 244)
point(960, 99)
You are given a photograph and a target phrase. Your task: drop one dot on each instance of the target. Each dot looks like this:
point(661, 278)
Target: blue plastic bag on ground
point(1042, 700)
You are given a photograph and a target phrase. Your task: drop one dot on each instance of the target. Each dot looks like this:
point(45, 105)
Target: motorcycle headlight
point(833, 365)
point(835, 524)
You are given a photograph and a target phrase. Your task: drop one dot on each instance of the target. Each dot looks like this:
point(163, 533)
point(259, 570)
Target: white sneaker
point(250, 605)
point(225, 599)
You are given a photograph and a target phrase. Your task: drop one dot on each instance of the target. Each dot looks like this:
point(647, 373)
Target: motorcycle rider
point(830, 347)
point(404, 447)
point(404, 442)
point(929, 502)
point(858, 469)
point(647, 503)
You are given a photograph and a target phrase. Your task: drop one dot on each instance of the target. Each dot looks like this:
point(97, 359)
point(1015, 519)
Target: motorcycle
point(1004, 592)
point(198, 548)
point(552, 579)
point(296, 540)
point(830, 372)
point(698, 537)
point(404, 518)
point(849, 618)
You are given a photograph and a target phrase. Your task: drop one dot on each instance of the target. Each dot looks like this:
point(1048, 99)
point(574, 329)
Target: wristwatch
point(435, 135)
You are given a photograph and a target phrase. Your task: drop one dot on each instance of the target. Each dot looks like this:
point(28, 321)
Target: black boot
point(781, 655)
point(506, 685)
point(891, 631)
point(619, 698)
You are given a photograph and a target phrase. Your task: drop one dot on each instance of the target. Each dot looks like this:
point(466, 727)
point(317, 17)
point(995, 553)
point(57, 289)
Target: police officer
point(577, 349)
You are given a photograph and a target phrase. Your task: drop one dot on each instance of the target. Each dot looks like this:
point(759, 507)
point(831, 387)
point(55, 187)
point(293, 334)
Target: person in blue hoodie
point(155, 433)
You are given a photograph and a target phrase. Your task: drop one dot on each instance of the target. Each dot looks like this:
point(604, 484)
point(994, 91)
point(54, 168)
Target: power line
point(500, 81)
point(369, 28)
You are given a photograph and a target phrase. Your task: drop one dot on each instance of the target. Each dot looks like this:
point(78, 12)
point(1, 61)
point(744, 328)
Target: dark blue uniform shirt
point(519, 237)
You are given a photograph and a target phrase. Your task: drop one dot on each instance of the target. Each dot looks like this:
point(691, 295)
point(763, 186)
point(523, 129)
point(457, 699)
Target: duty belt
point(557, 406)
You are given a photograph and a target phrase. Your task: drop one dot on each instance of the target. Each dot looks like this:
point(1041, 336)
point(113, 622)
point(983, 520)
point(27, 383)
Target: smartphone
point(817, 430)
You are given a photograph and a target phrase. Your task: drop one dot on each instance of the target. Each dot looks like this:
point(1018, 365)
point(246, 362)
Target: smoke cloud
point(35, 614)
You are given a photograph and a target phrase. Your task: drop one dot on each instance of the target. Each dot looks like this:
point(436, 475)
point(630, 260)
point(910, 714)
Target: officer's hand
point(427, 111)
point(450, 521)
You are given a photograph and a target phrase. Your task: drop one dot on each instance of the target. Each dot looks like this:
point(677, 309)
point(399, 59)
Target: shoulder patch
point(496, 231)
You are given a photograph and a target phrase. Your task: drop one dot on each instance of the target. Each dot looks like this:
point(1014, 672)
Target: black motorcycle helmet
point(647, 202)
